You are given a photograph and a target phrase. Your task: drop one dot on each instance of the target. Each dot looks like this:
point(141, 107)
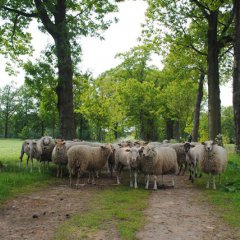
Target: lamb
point(25, 149)
point(126, 157)
point(82, 158)
point(192, 158)
point(157, 161)
point(212, 160)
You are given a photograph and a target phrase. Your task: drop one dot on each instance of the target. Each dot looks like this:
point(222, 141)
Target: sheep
point(212, 160)
point(157, 161)
point(35, 151)
point(47, 144)
point(126, 157)
point(181, 157)
point(25, 149)
point(59, 154)
point(192, 158)
point(83, 158)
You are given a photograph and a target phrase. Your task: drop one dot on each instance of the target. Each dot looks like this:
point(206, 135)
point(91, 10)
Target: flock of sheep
point(149, 158)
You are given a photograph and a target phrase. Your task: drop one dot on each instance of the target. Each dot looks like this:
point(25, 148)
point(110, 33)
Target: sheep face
point(187, 146)
point(133, 155)
point(149, 152)
point(60, 147)
point(208, 145)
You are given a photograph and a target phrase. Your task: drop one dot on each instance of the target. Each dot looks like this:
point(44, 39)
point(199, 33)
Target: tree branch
point(22, 13)
point(202, 7)
point(43, 15)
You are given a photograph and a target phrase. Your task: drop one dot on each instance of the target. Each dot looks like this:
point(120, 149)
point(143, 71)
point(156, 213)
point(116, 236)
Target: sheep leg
point(214, 182)
point(184, 169)
point(78, 177)
point(135, 179)
point(119, 173)
point(220, 179)
point(89, 178)
point(58, 170)
point(147, 182)
point(93, 177)
point(173, 180)
point(207, 186)
point(31, 164)
point(155, 183)
point(70, 178)
point(131, 182)
point(61, 168)
point(180, 169)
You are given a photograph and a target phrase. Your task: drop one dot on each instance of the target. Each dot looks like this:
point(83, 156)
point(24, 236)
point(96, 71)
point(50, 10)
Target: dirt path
point(183, 214)
point(175, 214)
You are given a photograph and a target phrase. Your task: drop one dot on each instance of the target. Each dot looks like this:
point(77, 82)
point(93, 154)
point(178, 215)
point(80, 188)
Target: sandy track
point(173, 214)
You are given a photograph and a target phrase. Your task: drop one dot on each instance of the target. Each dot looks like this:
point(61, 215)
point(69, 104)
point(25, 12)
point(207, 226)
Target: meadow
point(107, 210)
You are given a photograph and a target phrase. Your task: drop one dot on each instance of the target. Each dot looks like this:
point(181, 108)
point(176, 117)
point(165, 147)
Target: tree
point(65, 21)
point(236, 74)
point(9, 103)
point(212, 23)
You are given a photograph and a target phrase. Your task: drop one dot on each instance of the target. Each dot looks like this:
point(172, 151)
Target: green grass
point(119, 208)
point(13, 180)
point(226, 198)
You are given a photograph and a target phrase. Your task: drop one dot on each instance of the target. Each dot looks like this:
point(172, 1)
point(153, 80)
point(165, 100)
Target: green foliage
point(119, 208)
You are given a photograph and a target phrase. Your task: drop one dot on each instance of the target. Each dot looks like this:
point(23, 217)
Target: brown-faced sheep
point(82, 158)
point(212, 160)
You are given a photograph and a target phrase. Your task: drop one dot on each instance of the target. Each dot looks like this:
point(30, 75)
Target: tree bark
point(60, 33)
point(196, 115)
point(214, 102)
point(65, 86)
point(236, 74)
point(169, 128)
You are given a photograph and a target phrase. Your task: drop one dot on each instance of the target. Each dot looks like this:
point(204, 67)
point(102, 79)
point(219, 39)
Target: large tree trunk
point(196, 115)
point(6, 126)
point(236, 74)
point(214, 102)
point(169, 128)
point(65, 86)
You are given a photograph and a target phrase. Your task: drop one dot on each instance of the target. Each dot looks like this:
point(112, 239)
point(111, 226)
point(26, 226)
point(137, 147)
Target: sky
point(99, 56)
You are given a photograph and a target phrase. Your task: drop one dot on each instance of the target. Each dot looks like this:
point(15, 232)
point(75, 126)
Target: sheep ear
point(102, 147)
point(203, 143)
point(146, 142)
point(127, 150)
point(192, 145)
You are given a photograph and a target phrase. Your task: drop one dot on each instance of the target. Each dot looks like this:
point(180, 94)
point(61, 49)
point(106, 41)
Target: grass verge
point(226, 199)
point(13, 180)
point(118, 210)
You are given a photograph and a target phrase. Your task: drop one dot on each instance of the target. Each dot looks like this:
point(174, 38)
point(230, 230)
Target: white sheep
point(126, 157)
point(83, 158)
point(212, 160)
point(158, 161)
point(25, 149)
point(192, 151)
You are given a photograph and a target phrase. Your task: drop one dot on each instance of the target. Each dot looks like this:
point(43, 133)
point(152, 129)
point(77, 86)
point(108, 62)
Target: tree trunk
point(115, 130)
point(176, 132)
point(141, 117)
point(65, 86)
point(214, 102)
point(196, 115)
point(169, 128)
point(236, 75)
